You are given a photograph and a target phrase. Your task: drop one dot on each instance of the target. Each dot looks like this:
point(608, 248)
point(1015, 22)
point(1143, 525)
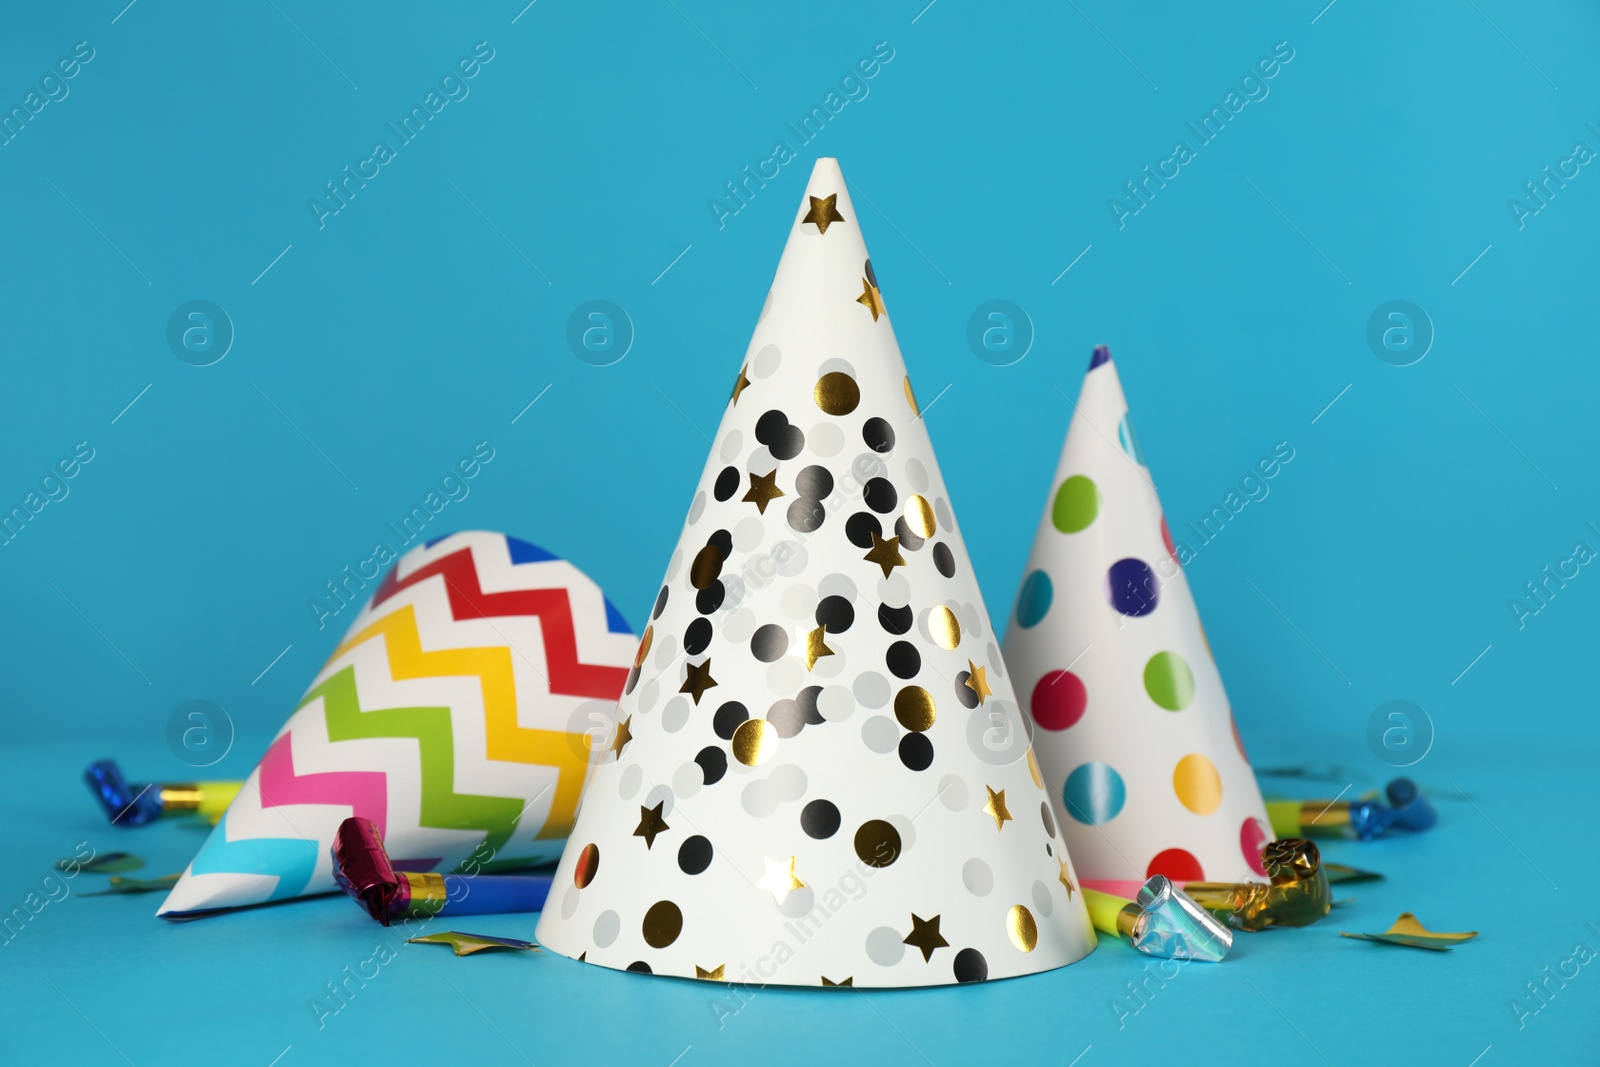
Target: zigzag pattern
point(506, 739)
point(292, 859)
point(365, 793)
point(442, 807)
point(568, 675)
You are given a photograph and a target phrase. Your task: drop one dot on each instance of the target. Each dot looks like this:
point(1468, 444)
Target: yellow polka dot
point(1198, 784)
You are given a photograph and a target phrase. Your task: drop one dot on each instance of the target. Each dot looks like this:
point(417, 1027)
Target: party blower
point(138, 804)
point(1298, 894)
point(1161, 921)
point(1364, 819)
point(362, 869)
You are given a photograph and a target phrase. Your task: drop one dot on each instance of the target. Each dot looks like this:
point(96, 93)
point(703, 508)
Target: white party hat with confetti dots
point(1133, 729)
point(821, 774)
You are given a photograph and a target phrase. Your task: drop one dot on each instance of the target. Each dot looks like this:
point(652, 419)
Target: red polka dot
point(1237, 740)
point(1252, 837)
point(1177, 864)
point(1058, 700)
point(1166, 538)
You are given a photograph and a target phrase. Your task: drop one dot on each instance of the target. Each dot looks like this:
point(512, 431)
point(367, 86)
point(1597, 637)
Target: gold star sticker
point(1065, 879)
point(851, 981)
point(780, 879)
point(763, 490)
point(742, 384)
point(885, 554)
point(467, 944)
point(978, 681)
point(714, 974)
point(697, 679)
point(871, 299)
point(651, 823)
point(925, 935)
point(823, 212)
point(996, 807)
point(623, 736)
point(815, 648)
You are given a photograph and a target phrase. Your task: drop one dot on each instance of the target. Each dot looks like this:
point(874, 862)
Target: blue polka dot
point(1094, 793)
point(1132, 587)
point(1101, 355)
point(1130, 442)
point(1033, 602)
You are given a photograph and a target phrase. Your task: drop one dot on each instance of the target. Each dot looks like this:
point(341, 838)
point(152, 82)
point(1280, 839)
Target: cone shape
point(812, 793)
point(456, 715)
point(1133, 729)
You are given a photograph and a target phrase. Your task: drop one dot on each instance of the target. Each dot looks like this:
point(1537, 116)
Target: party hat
point(458, 714)
point(822, 775)
point(1133, 729)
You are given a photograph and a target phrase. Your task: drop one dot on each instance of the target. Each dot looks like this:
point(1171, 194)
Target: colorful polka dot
point(1076, 505)
point(1129, 442)
point(1169, 681)
point(1094, 793)
point(1253, 836)
point(1132, 588)
point(1197, 783)
point(1101, 354)
point(1237, 740)
point(1166, 539)
point(1177, 864)
point(1033, 602)
point(1059, 699)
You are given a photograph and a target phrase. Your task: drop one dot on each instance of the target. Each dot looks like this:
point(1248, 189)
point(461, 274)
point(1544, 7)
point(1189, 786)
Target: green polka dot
point(1077, 503)
point(1169, 681)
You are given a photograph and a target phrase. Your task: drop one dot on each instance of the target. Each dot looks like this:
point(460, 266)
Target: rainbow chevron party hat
point(821, 776)
point(457, 714)
point(1133, 729)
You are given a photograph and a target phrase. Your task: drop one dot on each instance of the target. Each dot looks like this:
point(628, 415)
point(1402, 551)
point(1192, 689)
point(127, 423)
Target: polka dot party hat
point(1133, 729)
point(453, 715)
point(820, 775)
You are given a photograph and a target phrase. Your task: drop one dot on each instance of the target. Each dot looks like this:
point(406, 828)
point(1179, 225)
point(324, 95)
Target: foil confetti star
point(1408, 932)
point(467, 944)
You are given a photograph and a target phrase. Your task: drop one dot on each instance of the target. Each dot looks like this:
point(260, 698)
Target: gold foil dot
point(754, 742)
point(837, 393)
point(1021, 928)
point(662, 924)
point(644, 646)
point(911, 398)
point(706, 567)
point(588, 865)
point(913, 706)
point(877, 843)
point(1033, 768)
point(944, 628)
point(919, 516)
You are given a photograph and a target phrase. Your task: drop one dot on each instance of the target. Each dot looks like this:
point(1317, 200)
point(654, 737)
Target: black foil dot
point(916, 751)
point(727, 483)
point(820, 819)
point(835, 613)
point(903, 659)
point(728, 718)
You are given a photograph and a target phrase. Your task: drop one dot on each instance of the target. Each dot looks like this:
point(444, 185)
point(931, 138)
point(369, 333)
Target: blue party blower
point(362, 869)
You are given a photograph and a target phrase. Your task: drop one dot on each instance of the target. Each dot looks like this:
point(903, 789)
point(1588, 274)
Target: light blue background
point(1380, 567)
